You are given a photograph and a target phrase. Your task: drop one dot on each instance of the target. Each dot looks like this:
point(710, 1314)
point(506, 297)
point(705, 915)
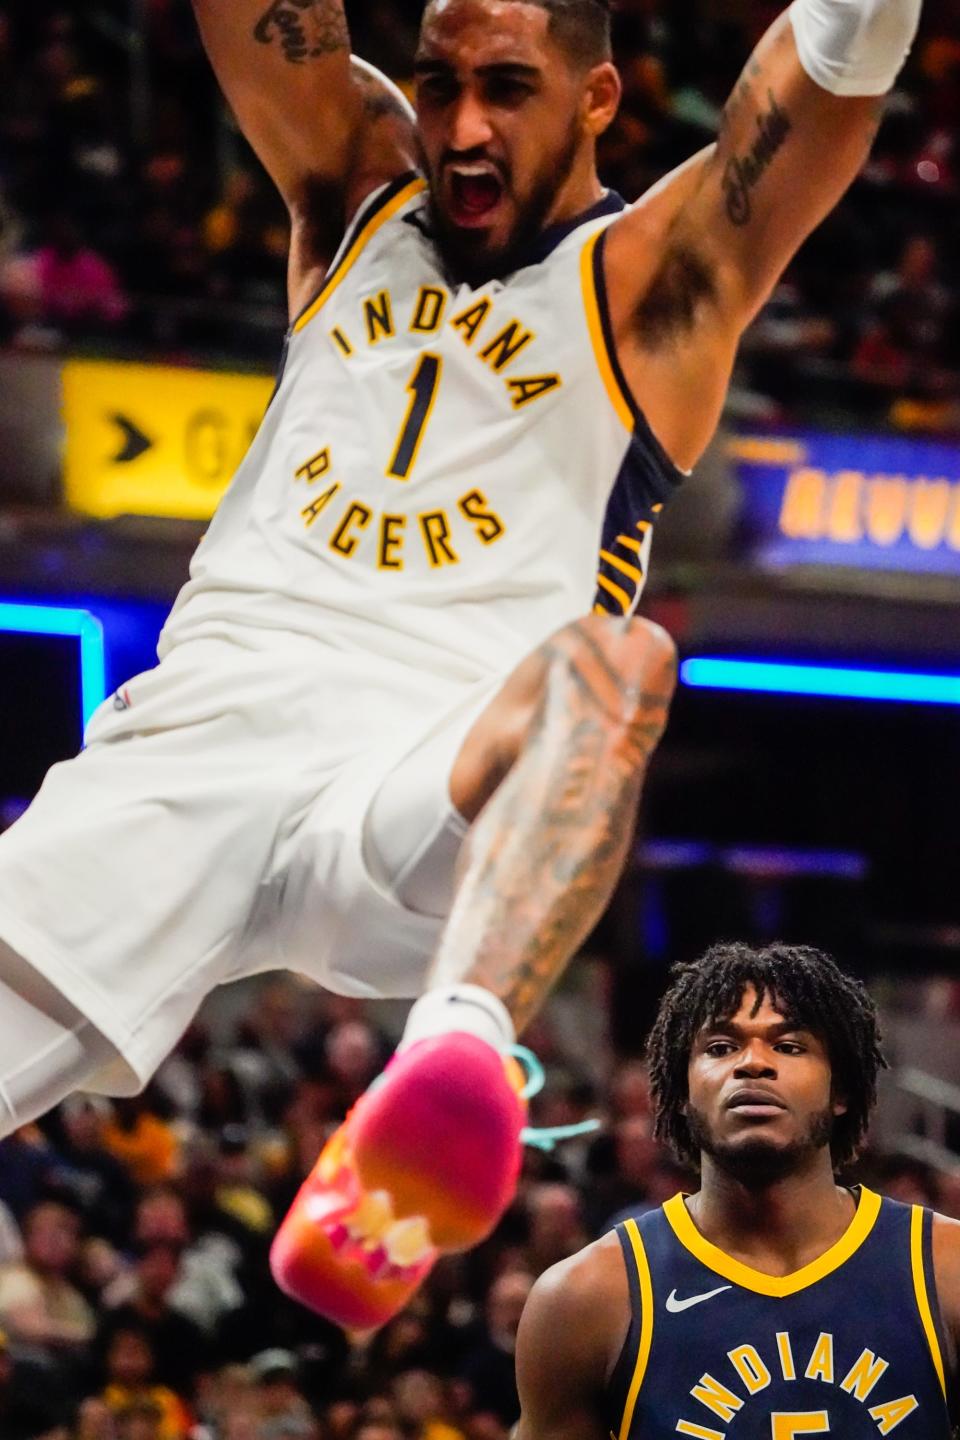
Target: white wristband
point(854, 47)
point(460, 1007)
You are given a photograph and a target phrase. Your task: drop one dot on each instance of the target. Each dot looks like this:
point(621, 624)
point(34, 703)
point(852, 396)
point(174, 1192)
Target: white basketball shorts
point(213, 828)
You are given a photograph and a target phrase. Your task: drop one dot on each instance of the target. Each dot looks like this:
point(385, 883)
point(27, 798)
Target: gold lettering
point(468, 322)
point(786, 1355)
point(341, 341)
point(378, 314)
point(531, 387)
point(716, 1397)
point(206, 446)
point(311, 511)
point(801, 511)
point(844, 525)
point(863, 1375)
point(886, 508)
point(357, 515)
point(687, 1427)
point(928, 512)
point(751, 1369)
point(391, 542)
point(316, 466)
point(436, 537)
point(889, 1415)
point(506, 346)
point(429, 309)
point(953, 529)
point(821, 1361)
point(474, 507)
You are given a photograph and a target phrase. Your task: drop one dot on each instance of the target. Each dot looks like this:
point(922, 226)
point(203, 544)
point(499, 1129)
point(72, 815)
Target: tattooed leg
point(564, 751)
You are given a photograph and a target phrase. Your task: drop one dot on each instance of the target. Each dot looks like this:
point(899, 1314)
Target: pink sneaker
point(425, 1163)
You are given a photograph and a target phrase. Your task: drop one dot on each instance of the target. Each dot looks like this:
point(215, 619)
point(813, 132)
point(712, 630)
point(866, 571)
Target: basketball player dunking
point(495, 373)
point(773, 1303)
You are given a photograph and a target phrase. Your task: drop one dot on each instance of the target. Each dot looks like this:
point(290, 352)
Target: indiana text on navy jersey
point(850, 1346)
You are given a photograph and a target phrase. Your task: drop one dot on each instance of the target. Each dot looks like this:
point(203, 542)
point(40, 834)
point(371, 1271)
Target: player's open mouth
point(361, 1226)
point(474, 192)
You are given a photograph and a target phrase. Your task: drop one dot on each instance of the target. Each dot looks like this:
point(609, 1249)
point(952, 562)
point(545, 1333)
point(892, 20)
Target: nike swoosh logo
point(675, 1306)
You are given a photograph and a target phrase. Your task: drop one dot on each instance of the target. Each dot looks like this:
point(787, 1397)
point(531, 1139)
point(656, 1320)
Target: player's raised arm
point(572, 1330)
point(315, 120)
point(794, 134)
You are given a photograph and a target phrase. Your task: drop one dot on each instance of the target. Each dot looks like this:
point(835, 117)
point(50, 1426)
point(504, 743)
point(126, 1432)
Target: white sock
point(470, 1008)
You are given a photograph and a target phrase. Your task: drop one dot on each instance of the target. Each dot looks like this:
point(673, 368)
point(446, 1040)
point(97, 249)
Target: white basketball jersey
point(444, 475)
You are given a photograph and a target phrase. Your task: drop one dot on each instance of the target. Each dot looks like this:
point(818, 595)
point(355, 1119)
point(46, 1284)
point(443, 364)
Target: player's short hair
point(580, 27)
point(807, 987)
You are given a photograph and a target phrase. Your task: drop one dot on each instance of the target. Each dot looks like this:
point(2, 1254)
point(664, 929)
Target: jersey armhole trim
point(594, 303)
point(594, 286)
point(646, 1325)
point(921, 1293)
point(385, 205)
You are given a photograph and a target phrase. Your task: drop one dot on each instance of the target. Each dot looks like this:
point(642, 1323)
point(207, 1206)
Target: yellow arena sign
point(154, 440)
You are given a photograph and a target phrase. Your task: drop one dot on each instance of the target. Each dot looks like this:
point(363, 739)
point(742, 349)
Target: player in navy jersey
point(774, 1302)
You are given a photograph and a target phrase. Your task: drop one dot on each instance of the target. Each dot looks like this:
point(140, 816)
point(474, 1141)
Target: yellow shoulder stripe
point(646, 1325)
point(378, 218)
point(591, 305)
point(920, 1290)
point(777, 1286)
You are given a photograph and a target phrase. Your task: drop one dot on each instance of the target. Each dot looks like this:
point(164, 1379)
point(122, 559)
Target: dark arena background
point(807, 788)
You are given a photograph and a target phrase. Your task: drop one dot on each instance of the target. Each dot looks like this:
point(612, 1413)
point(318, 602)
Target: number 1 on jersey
point(423, 391)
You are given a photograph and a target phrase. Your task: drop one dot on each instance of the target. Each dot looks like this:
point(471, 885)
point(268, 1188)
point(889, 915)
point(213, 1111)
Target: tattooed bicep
point(303, 30)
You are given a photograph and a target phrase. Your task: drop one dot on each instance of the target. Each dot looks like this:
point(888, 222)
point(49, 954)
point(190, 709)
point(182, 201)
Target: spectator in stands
point(28, 1409)
point(278, 1396)
point(179, 1346)
point(556, 1225)
point(131, 1384)
point(488, 1366)
point(65, 284)
point(96, 1180)
point(143, 1142)
point(354, 1056)
point(40, 1307)
point(206, 1287)
point(423, 1407)
point(95, 1420)
point(27, 1161)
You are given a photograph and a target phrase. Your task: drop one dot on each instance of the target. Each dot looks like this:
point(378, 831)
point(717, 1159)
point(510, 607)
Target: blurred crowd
point(132, 216)
point(135, 1296)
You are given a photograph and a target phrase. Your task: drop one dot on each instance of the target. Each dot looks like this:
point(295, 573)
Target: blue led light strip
point(61, 620)
point(846, 682)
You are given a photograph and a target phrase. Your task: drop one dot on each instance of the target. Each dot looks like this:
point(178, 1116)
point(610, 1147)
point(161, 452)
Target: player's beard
point(758, 1161)
point(467, 255)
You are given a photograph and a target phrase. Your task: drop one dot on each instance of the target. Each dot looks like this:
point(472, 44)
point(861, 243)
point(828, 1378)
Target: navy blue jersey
point(849, 1346)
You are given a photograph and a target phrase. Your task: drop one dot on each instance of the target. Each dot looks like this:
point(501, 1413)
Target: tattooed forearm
point(743, 173)
point(305, 29)
point(545, 854)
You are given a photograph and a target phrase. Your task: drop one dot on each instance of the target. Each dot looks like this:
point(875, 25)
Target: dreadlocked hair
point(808, 988)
